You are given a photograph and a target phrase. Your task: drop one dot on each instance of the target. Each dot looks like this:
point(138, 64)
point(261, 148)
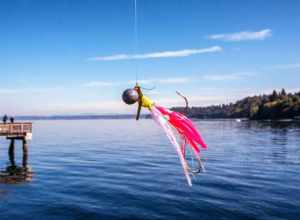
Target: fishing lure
point(176, 126)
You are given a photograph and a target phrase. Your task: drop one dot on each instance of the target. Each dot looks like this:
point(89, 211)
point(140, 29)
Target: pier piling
point(25, 153)
point(11, 152)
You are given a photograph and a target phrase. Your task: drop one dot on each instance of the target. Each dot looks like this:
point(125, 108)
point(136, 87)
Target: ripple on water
point(88, 170)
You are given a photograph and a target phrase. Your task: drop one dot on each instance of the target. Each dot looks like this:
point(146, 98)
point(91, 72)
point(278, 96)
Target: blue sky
point(66, 57)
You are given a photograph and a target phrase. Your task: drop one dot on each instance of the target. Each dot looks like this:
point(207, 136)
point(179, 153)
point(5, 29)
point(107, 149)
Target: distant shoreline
point(124, 117)
point(76, 117)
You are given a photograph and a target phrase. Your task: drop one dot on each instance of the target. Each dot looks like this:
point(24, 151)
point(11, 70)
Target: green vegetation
point(278, 105)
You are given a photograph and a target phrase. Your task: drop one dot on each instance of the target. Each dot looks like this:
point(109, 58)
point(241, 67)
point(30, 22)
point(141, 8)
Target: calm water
point(120, 169)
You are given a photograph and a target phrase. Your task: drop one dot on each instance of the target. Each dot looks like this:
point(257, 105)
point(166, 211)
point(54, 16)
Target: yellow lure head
point(146, 102)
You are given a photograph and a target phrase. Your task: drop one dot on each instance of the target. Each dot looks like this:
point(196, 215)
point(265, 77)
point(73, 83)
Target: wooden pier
point(17, 131)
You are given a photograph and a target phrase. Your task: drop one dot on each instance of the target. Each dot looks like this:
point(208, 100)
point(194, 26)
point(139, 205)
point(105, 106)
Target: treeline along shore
point(278, 105)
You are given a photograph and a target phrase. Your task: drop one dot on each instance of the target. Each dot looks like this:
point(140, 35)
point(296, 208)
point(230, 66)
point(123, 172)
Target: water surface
point(120, 169)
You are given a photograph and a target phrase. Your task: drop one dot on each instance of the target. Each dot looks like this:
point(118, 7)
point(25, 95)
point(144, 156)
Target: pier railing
point(20, 129)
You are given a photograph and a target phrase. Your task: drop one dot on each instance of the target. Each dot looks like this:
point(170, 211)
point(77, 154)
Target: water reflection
point(16, 174)
point(279, 125)
point(277, 136)
point(13, 173)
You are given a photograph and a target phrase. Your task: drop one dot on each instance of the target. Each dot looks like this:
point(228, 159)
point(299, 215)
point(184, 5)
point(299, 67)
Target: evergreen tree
point(283, 93)
point(274, 96)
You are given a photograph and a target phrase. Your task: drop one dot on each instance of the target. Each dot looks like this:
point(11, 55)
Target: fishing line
point(136, 43)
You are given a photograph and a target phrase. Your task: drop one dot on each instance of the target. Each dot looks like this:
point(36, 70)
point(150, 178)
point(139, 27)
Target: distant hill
point(278, 105)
